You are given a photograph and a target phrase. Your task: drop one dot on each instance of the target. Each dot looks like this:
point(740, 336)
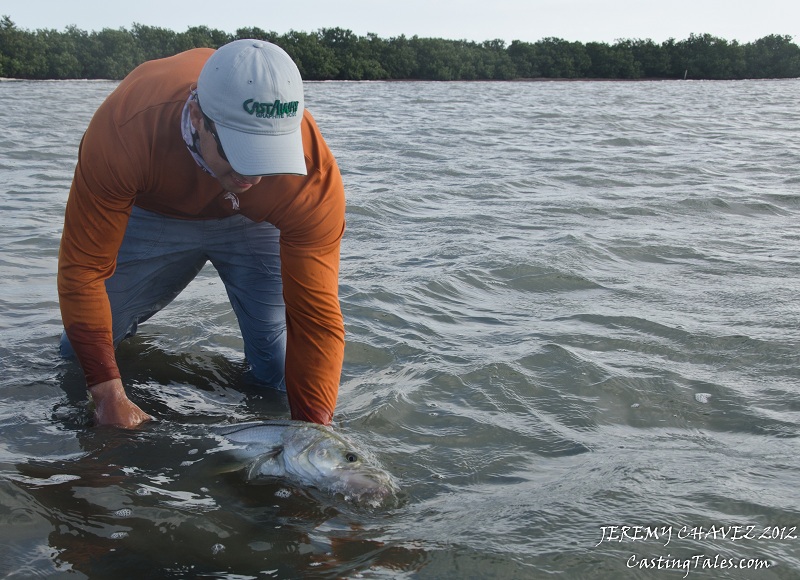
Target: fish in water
point(308, 454)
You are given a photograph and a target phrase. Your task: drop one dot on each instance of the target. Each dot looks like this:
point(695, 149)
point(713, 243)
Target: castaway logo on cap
point(273, 110)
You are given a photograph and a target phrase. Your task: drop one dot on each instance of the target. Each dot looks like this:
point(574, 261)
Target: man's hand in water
point(113, 407)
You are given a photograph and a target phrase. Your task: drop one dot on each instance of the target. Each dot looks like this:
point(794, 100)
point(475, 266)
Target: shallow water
point(569, 306)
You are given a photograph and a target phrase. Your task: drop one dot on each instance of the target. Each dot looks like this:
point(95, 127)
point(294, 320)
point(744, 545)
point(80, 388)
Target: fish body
point(308, 454)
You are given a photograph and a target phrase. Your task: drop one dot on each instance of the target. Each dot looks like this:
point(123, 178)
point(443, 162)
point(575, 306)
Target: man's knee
point(65, 347)
point(268, 375)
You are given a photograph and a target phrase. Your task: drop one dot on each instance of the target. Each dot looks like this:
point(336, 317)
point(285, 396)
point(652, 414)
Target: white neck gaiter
point(190, 136)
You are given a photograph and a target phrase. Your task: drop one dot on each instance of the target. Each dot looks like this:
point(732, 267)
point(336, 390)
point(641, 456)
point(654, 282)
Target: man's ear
point(195, 115)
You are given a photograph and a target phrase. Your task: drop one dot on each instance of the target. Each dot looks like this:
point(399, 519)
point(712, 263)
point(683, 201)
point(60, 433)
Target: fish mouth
point(368, 489)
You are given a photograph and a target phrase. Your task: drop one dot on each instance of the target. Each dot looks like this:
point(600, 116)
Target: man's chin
point(236, 186)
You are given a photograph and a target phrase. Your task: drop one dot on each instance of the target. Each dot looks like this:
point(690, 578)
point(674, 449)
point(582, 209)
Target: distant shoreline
point(339, 54)
point(520, 80)
point(560, 80)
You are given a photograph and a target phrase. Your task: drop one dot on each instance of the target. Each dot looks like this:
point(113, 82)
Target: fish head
point(340, 466)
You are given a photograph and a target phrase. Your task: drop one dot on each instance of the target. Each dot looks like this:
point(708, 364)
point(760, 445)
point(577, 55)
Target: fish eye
point(351, 457)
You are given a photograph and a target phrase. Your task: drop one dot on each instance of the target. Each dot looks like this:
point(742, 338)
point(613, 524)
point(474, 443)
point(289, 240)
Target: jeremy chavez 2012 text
point(732, 535)
point(736, 533)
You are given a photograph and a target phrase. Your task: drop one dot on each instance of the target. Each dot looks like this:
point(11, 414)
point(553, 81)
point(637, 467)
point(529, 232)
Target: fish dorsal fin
point(268, 464)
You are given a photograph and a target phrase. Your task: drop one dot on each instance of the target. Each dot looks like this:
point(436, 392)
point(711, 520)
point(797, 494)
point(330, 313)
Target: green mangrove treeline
point(336, 53)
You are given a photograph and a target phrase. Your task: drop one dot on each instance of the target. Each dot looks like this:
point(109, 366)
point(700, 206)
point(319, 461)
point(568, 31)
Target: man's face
point(214, 156)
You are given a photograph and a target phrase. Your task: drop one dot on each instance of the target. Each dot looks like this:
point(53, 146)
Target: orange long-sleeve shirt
point(133, 153)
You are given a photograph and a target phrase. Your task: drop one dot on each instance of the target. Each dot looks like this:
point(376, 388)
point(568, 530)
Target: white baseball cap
point(253, 92)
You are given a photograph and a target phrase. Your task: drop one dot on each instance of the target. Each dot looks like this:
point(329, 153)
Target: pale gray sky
point(478, 20)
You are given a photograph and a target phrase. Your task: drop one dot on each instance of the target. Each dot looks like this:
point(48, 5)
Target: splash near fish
point(307, 454)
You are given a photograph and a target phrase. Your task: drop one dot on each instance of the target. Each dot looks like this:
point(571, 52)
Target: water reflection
point(149, 499)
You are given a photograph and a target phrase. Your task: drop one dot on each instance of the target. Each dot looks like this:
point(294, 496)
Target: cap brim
point(253, 154)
